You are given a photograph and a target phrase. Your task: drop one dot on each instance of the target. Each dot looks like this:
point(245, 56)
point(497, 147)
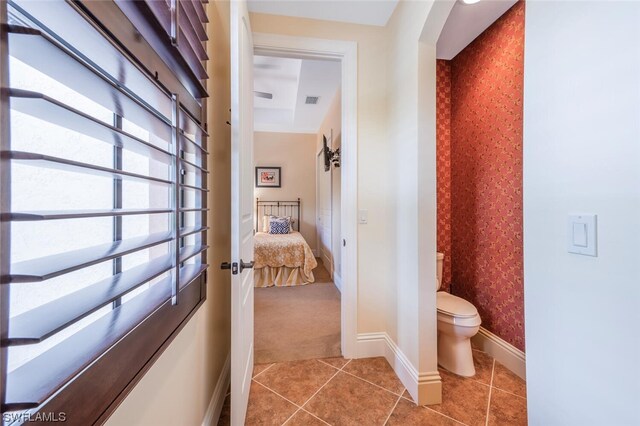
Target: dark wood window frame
point(132, 342)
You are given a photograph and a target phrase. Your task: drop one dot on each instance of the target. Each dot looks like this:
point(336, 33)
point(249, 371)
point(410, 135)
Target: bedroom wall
point(480, 175)
point(178, 389)
point(333, 120)
point(295, 153)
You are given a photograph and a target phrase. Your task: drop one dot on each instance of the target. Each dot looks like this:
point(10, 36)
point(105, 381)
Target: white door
point(323, 215)
point(241, 210)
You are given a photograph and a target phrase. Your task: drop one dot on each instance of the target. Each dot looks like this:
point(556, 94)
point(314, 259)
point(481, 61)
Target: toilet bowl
point(458, 322)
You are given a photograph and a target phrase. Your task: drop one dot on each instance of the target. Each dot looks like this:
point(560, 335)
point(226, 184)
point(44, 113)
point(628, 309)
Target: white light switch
point(363, 216)
point(582, 234)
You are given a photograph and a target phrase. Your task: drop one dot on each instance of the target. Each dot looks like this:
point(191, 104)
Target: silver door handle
point(246, 265)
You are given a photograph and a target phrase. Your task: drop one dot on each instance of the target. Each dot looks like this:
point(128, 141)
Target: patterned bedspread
point(290, 250)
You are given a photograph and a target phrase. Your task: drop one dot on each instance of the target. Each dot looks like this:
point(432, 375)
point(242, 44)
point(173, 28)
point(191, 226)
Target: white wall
point(295, 153)
point(413, 30)
point(582, 155)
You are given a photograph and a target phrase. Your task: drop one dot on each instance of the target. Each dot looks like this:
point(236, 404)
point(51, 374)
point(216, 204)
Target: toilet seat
point(455, 310)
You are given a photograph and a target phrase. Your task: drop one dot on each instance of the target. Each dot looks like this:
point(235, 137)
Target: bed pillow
point(265, 223)
point(279, 225)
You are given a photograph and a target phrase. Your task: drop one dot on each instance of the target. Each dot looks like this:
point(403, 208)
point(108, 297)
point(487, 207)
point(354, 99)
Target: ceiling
point(368, 12)
point(466, 22)
point(290, 81)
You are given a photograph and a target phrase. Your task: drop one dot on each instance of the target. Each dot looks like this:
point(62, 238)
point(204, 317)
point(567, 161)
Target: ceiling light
point(469, 1)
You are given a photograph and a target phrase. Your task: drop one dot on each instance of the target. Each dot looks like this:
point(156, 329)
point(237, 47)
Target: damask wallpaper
point(480, 176)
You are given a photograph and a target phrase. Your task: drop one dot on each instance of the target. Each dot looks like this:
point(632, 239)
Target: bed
point(281, 260)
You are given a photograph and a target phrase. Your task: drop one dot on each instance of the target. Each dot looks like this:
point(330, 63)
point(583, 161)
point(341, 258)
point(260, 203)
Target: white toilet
point(458, 322)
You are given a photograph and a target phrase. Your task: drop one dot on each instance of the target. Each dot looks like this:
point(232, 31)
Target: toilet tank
point(439, 263)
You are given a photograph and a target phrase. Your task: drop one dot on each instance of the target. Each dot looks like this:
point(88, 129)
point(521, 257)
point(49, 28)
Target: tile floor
point(337, 391)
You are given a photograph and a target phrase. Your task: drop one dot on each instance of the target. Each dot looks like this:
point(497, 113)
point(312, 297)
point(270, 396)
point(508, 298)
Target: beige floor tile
point(297, 380)
point(484, 366)
point(377, 371)
point(302, 418)
point(463, 399)
point(347, 400)
point(267, 408)
point(337, 362)
point(259, 368)
point(507, 409)
point(504, 379)
point(407, 413)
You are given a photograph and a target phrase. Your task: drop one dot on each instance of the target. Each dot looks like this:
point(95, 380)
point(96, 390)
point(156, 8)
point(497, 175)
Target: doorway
point(344, 228)
point(296, 302)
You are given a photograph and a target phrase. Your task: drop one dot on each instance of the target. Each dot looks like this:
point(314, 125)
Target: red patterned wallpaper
point(443, 166)
point(486, 176)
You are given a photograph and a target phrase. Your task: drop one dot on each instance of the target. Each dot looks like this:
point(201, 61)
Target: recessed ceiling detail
point(301, 92)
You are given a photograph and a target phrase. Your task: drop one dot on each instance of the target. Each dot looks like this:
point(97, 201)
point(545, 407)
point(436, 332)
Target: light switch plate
point(363, 216)
point(582, 234)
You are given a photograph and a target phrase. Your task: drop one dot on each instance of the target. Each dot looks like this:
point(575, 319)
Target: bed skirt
point(281, 277)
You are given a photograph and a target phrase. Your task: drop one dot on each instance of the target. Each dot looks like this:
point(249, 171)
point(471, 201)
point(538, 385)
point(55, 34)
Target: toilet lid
point(453, 305)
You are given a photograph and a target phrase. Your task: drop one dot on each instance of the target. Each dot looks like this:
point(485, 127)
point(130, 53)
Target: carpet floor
point(297, 323)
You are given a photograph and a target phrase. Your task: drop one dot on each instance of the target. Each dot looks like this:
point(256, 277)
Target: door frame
point(347, 53)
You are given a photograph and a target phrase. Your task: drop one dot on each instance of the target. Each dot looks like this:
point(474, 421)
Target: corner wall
point(480, 178)
point(179, 387)
point(582, 155)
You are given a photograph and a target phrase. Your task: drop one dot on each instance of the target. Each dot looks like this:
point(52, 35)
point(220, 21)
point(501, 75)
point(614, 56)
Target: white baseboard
point(212, 415)
point(506, 354)
point(424, 387)
point(337, 280)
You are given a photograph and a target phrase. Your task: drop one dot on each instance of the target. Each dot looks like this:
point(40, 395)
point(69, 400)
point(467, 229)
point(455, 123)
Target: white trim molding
point(347, 53)
point(337, 281)
point(427, 385)
point(506, 354)
point(212, 415)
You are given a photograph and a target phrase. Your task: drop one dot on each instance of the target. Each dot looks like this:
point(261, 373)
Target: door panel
point(241, 209)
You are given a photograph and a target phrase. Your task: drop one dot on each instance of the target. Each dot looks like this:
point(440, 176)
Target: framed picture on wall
point(268, 177)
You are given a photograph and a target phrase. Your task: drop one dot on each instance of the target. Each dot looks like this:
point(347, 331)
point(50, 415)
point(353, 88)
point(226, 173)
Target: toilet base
point(455, 355)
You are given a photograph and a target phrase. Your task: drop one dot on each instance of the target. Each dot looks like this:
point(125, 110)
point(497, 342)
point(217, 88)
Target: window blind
point(103, 198)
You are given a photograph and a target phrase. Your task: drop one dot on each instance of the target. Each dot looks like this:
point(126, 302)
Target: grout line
point(510, 393)
point(285, 398)
point(371, 383)
point(321, 387)
point(442, 414)
point(493, 368)
point(426, 407)
point(313, 415)
point(263, 371)
point(291, 416)
point(337, 368)
point(392, 410)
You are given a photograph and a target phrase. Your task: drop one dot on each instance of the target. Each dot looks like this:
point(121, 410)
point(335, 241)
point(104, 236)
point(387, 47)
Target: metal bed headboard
point(278, 208)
